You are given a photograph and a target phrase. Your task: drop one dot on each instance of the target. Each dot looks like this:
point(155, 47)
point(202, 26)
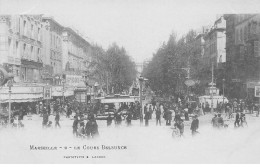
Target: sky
point(140, 26)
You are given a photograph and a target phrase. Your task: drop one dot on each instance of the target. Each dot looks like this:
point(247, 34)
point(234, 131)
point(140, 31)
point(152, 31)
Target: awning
point(58, 91)
point(21, 94)
point(118, 100)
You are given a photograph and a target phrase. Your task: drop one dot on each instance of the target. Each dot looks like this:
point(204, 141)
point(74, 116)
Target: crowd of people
point(175, 114)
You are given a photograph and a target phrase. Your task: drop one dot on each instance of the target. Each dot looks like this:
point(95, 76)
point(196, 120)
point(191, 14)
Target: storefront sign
point(58, 91)
point(22, 89)
point(74, 80)
point(257, 91)
point(21, 93)
point(252, 84)
point(47, 94)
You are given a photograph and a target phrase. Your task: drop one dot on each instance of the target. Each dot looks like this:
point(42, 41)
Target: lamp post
point(86, 83)
point(141, 80)
point(223, 89)
point(63, 90)
point(212, 82)
point(10, 84)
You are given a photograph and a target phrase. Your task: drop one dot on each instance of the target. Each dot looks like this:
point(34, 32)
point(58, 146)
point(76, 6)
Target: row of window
point(242, 17)
point(55, 41)
point(75, 62)
point(57, 68)
point(31, 52)
point(211, 48)
point(31, 30)
point(242, 34)
point(76, 50)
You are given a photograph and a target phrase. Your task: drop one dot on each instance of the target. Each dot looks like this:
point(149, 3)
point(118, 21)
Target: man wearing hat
point(194, 125)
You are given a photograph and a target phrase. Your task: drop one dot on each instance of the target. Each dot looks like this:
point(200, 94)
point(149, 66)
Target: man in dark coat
point(220, 121)
point(181, 127)
point(128, 118)
point(57, 120)
point(91, 128)
point(237, 120)
point(194, 125)
point(118, 118)
point(45, 119)
point(158, 116)
point(214, 121)
point(177, 116)
point(146, 118)
point(109, 120)
point(75, 125)
point(168, 117)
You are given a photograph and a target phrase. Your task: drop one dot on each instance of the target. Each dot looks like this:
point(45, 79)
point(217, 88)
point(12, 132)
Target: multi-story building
point(21, 54)
point(215, 43)
point(75, 60)
point(21, 46)
point(242, 46)
point(53, 45)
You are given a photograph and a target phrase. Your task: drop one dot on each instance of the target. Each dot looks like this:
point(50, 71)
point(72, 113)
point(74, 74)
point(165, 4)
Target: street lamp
point(63, 90)
point(86, 83)
point(141, 80)
point(95, 89)
point(223, 86)
point(9, 84)
point(212, 83)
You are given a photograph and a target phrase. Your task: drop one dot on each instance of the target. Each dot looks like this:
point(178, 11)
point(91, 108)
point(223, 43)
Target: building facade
point(53, 45)
point(21, 46)
point(76, 60)
point(243, 31)
point(215, 44)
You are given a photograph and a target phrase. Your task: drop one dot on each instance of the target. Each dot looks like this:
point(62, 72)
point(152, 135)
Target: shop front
point(21, 94)
point(60, 91)
point(251, 86)
point(25, 96)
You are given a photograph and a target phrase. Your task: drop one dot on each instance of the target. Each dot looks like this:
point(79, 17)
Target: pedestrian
point(118, 118)
point(109, 120)
point(129, 118)
point(214, 121)
point(220, 122)
point(75, 125)
point(203, 108)
point(158, 116)
point(45, 119)
point(177, 116)
point(194, 125)
point(168, 117)
point(186, 114)
point(237, 120)
point(243, 119)
point(150, 111)
point(80, 130)
point(181, 127)
point(146, 118)
point(91, 128)
point(57, 120)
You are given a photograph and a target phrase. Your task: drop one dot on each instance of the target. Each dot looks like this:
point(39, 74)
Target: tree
point(165, 71)
point(115, 66)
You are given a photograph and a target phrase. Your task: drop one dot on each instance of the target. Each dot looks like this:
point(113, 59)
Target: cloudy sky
point(140, 26)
